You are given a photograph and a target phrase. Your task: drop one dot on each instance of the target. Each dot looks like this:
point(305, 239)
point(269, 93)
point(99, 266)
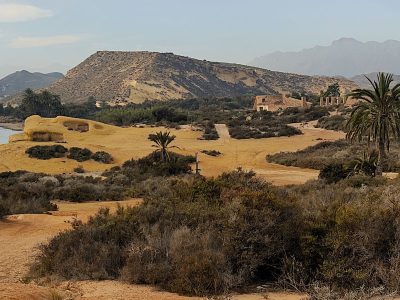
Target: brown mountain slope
point(139, 76)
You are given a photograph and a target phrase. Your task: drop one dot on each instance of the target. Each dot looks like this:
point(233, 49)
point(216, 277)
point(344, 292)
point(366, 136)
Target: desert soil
point(21, 234)
point(132, 142)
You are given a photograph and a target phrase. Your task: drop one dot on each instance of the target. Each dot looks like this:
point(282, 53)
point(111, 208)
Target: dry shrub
point(201, 236)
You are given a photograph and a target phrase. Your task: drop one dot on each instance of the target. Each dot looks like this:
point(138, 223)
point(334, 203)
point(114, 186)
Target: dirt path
point(223, 132)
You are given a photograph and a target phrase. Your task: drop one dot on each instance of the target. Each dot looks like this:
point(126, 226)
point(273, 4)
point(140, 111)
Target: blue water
point(5, 133)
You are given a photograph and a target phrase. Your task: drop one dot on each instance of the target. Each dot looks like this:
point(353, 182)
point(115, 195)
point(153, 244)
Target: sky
point(56, 35)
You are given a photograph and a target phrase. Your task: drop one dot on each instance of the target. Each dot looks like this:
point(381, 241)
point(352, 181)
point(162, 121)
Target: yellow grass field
point(127, 143)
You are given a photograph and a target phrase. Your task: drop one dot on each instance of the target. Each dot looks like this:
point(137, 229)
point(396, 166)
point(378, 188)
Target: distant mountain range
point(22, 80)
point(344, 57)
point(363, 82)
point(125, 77)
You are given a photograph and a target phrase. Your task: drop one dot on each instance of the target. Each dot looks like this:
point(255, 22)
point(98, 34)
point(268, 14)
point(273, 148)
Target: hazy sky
point(54, 35)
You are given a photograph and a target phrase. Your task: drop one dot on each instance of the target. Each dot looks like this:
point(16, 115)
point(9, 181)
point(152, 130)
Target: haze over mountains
point(363, 82)
point(139, 76)
point(22, 80)
point(344, 57)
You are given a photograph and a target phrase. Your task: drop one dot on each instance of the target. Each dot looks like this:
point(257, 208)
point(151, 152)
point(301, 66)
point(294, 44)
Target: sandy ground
point(21, 234)
point(127, 143)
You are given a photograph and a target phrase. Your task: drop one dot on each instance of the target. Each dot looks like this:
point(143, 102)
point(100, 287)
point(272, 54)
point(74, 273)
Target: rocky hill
point(139, 76)
point(344, 57)
point(22, 80)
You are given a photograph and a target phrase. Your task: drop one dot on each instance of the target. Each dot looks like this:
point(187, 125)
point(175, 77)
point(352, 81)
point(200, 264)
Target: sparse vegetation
point(327, 153)
point(80, 154)
point(76, 153)
point(336, 122)
point(210, 133)
point(236, 230)
point(22, 192)
point(211, 152)
point(46, 152)
point(103, 157)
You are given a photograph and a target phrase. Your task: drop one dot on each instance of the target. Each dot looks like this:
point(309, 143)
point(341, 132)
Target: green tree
point(376, 117)
point(332, 91)
point(162, 141)
point(43, 104)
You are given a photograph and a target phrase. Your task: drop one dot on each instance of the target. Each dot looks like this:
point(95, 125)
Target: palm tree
point(162, 140)
point(376, 117)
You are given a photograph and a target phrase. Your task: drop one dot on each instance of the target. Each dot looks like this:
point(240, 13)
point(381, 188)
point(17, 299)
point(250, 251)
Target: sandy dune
point(127, 143)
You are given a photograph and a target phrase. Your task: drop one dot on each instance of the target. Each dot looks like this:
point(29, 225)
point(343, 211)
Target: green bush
point(247, 132)
point(202, 237)
point(22, 192)
point(210, 133)
point(334, 173)
point(211, 152)
point(46, 152)
point(338, 152)
point(103, 157)
point(80, 154)
point(3, 211)
point(95, 250)
point(336, 122)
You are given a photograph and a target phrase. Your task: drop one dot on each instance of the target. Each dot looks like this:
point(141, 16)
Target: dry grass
point(127, 143)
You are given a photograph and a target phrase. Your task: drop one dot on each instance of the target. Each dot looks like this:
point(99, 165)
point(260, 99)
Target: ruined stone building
point(278, 102)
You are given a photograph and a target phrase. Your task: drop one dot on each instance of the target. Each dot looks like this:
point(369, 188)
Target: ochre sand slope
point(132, 142)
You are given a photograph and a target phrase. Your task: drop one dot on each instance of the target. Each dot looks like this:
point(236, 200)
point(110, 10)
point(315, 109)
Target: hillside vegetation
point(138, 76)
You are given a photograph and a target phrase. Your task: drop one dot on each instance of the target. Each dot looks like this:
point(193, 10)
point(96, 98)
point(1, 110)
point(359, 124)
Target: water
point(5, 133)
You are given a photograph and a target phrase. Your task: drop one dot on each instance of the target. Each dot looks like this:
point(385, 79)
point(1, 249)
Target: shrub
point(80, 154)
point(334, 172)
point(336, 122)
point(211, 152)
point(93, 250)
point(79, 169)
point(210, 133)
point(46, 152)
point(85, 189)
point(200, 236)
point(103, 157)
point(212, 231)
point(3, 211)
point(23, 192)
point(338, 152)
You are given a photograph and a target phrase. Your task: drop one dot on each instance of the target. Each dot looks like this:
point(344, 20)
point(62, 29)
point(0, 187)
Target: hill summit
point(22, 80)
point(138, 76)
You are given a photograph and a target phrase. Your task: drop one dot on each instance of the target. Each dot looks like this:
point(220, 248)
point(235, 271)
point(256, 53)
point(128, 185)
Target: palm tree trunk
point(381, 158)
